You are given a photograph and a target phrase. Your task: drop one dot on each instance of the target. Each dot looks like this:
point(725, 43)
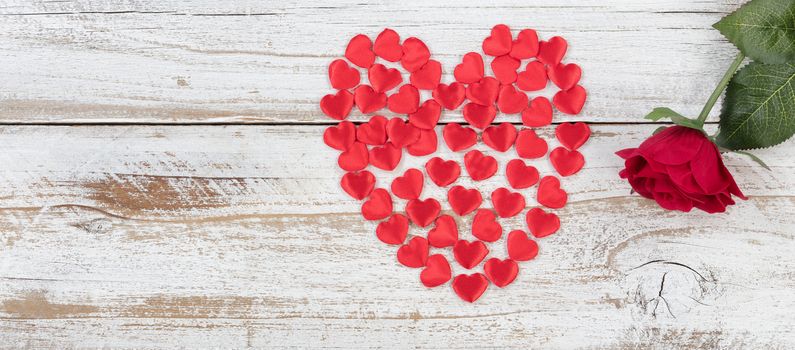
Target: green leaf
point(759, 109)
point(660, 113)
point(763, 30)
point(754, 158)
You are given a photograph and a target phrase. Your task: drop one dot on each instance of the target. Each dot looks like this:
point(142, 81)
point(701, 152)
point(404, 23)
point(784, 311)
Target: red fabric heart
point(425, 145)
point(538, 114)
point(401, 133)
point(566, 162)
point(529, 145)
point(445, 233)
point(573, 135)
point(525, 45)
point(442, 172)
point(405, 101)
point(458, 138)
point(510, 100)
point(499, 42)
point(541, 223)
point(479, 116)
point(394, 230)
point(550, 52)
point(450, 96)
point(501, 272)
point(550, 194)
point(368, 100)
point(360, 52)
point(337, 106)
point(428, 76)
point(469, 254)
point(470, 70)
point(340, 137)
point(504, 68)
point(520, 175)
point(385, 157)
point(427, 115)
point(355, 158)
point(372, 132)
point(533, 78)
point(463, 201)
point(501, 137)
point(485, 226)
point(423, 212)
point(358, 184)
point(415, 54)
point(483, 92)
point(506, 203)
point(342, 76)
point(521, 248)
point(387, 46)
point(479, 166)
point(414, 254)
point(565, 76)
point(470, 287)
point(378, 206)
point(570, 101)
point(437, 271)
point(383, 79)
point(408, 186)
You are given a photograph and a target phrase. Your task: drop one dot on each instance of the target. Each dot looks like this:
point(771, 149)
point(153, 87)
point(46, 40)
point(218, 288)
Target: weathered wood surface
point(204, 236)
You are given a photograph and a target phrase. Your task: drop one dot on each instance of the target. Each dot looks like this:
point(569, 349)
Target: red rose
point(680, 169)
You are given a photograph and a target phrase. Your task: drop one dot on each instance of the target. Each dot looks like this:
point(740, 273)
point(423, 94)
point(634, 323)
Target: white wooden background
point(120, 227)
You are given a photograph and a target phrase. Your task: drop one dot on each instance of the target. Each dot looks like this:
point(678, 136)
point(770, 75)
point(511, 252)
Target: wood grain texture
point(202, 237)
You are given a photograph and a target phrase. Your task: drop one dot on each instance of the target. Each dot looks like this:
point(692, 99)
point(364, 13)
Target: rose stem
point(721, 86)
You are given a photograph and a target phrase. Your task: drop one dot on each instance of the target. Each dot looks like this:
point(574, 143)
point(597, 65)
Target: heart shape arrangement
point(520, 65)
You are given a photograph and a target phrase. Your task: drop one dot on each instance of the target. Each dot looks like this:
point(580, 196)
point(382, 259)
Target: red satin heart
point(341, 136)
point(469, 254)
point(463, 201)
point(405, 101)
point(337, 106)
point(428, 76)
point(533, 78)
point(506, 203)
point(427, 116)
point(525, 45)
point(394, 230)
point(529, 145)
point(541, 223)
point(425, 145)
point(458, 138)
point(479, 116)
point(504, 68)
point(550, 194)
point(538, 114)
point(415, 54)
point(372, 132)
point(485, 226)
point(470, 70)
point(442, 172)
point(501, 137)
point(423, 212)
point(510, 100)
point(408, 186)
point(501, 272)
point(445, 233)
point(499, 42)
point(342, 76)
point(573, 135)
point(360, 52)
point(355, 158)
point(385, 157)
point(414, 254)
point(358, 184)
point(383, 79)
point(565, 76)
point(550, 52)
point(387, 45)
point(450, 96)
point(368, 100)
point(378, 206)
point(483, 92)
point(566, 162)
point(401, 133)
point(520, 175)
point(437, 271)
point(479, 166)
point(570, 101)
point(521, 248)
point(470, 287)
